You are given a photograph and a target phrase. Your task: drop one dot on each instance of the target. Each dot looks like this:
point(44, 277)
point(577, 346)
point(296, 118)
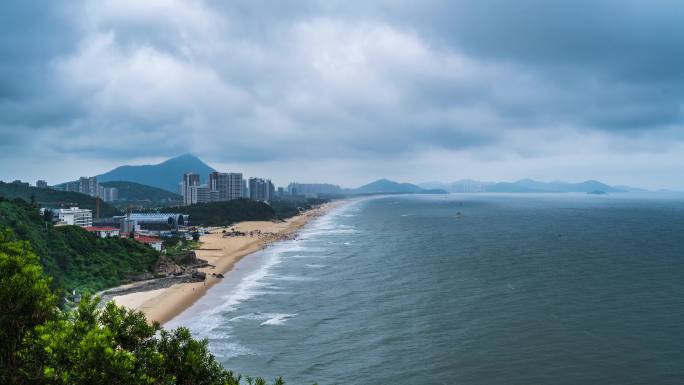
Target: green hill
point(143, 195)
point(46, 197)
point(238, 210)
point(225, 213)
point(75, 258)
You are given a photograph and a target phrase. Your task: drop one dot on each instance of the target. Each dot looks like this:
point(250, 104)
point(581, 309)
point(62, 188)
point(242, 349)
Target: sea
point(461, 289)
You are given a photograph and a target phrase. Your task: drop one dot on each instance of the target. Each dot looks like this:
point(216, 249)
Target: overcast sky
point(347, 92)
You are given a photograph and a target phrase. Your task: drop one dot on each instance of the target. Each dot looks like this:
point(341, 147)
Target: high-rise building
point(190, 181)
point(312, 190)
point(225, 186)
point(89, 186)
point(261, 189)
point(110, 194)
point(271, 190)
point(71, 186)
point(199, 194)
point(41, 184)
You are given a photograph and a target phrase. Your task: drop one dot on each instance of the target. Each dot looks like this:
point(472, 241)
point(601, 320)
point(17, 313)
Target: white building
point(75, 216)
point(225, 186)
point(110, 194)
point(189, 186)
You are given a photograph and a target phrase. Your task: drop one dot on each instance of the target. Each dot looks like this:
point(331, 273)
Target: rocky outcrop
point(166, 266)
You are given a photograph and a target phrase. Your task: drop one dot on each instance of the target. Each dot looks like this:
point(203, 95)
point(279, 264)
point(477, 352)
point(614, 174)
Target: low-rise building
point(103, 232)
point(154, 242)
point(75, 216)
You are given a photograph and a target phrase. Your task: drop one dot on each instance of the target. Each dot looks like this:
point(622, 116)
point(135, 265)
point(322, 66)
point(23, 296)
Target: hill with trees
point(142, 195)
point(238, 210)
point(75, 258)
point(225, 213)
point(46, 197)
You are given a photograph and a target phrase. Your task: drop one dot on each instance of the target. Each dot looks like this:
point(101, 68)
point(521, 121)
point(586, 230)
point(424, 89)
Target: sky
point(346, 91)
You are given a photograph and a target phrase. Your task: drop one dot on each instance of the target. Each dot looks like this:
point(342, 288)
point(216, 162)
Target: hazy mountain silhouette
point(386, 186)
point(165, 175)
point(524, 185)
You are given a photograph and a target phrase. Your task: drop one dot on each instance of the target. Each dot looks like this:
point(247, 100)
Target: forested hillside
point(53, 198)
point(75, 258)
point(225, 213)
point(140, 195)
point(238, 210)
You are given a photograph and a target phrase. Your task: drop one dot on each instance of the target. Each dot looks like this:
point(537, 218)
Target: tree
point(25, 300)
point(113, 345)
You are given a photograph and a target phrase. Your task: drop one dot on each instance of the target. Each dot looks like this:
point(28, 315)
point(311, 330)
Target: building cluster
point(312, 190)
point(224, 186)
point(228, 186)
point(89, 186)
point(71, 216)
point(143, 227)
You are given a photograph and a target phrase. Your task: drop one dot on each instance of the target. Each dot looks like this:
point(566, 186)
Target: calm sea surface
point(462, 289)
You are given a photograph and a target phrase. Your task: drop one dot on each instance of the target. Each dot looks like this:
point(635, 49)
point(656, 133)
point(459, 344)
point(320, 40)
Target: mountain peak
point(165, 175)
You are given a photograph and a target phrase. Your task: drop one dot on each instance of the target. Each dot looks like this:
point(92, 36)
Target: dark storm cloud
point(264, 81)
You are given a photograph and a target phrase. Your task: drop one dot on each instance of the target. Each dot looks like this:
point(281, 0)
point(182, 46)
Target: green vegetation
point(75, 258)
point(238, 210)
point(46, 197)
point(40, 344)
point(141, 195)
point(287, 209)
point(225, 213)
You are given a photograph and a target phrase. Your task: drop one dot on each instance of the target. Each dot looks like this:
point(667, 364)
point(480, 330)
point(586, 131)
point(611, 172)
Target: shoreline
point(164, 304)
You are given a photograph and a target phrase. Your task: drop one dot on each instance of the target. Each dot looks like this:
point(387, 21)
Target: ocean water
point(462, 289)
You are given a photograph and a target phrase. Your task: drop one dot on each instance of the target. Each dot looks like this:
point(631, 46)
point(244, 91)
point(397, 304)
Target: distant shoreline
point(164, 304)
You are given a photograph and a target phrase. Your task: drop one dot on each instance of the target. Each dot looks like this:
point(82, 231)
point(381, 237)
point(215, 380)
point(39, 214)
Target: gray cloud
point(259, 83)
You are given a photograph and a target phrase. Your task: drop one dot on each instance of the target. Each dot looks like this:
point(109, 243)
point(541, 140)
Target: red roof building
point(155, 242)
point(103, 232)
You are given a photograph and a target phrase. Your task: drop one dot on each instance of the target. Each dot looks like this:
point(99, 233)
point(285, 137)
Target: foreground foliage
point(40, 344)
point(74, 257)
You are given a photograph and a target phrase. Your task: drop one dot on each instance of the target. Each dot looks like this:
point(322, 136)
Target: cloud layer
point(440, 90)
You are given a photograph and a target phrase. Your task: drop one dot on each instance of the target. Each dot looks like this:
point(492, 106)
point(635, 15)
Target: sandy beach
point(162, 305)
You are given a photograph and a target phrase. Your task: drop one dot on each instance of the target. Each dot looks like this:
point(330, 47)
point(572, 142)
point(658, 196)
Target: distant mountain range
point(168, 174)
point(385, 186)
point(165, 175)
point(526, 185)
